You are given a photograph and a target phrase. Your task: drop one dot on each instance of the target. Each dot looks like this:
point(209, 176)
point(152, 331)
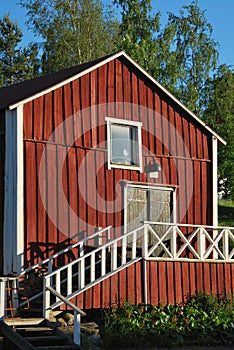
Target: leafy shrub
point(202, 320)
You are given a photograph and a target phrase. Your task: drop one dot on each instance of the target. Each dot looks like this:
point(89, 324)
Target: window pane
point(121, 144)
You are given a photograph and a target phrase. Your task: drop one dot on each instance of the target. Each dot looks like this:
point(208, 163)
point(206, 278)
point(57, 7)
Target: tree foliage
point(183, 56)
point(72, 31)
point(16, 63)
point(138, 33)
point(219, 114)
point(193, 55)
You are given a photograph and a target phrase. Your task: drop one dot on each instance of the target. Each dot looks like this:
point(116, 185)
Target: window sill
point(125, 167)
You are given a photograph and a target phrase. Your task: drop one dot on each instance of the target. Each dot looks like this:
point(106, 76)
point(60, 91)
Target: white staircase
point(106, 257)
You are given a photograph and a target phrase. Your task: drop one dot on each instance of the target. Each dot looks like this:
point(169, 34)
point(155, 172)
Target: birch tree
point(71, 31)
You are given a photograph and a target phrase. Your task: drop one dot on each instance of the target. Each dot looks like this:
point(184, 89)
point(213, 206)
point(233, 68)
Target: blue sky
point(218, 13)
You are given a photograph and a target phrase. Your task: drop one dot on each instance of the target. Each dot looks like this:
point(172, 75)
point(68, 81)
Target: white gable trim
point(74, 77)
point(117, 55)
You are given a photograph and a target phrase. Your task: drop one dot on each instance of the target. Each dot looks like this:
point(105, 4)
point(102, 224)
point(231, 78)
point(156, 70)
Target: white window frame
point(137, 125)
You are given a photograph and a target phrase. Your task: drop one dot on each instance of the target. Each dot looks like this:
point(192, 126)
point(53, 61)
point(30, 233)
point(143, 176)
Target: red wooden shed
point(102, 159)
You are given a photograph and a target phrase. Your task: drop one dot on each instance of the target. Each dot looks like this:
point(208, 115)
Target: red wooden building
point(104, 144)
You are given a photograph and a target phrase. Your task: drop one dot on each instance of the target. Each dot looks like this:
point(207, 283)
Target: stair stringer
point(15, 338)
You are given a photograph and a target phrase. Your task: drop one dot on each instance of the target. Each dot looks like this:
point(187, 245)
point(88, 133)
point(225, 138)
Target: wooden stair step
point(34, 329)
point(40, 340)
point(23, 321)
point(58, 347)
point(45, 337)
point(15, 338)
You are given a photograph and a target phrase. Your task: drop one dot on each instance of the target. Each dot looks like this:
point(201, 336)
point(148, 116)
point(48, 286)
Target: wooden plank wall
point(113, 82)
point(168, 283)
point(2, 168)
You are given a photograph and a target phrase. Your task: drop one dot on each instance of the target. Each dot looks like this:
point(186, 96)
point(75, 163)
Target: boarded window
point(148, 204)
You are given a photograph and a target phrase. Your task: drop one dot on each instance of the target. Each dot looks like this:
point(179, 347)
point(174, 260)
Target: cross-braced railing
point(186, 241)
point(153, 240)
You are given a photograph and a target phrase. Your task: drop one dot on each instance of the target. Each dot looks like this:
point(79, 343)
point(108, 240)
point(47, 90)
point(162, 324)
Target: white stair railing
point(84, 272)
point(99, 236)
point(77, 314)
point(153, 240)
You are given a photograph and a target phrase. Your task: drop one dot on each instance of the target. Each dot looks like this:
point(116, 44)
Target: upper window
point(124, 144)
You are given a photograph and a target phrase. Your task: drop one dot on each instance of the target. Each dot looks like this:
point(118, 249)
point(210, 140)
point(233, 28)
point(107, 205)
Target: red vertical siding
point(169, 137)
point(167, 283)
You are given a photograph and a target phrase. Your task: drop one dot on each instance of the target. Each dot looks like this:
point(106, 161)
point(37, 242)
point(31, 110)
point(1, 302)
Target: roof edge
point(175, 99)
point(110, 58)
point(66, 81)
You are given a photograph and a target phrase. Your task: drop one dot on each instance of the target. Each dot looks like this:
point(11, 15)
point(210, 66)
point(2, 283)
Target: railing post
point(145, 256)
point(201, 243)
point(69, 279)
point(46, 298)
point(114, 256)
point(2, 299)
point(225, 234)
point(92, 267)
point(15, 296)
point(215, 253)
point(98, 238)
point(134, 244)
point(108, 234)
point(173, 242)
point(103, 262)
point(50, 265)
point(81, 276)
point(81, 271)
point(81, 252)
point(145, 242)
point(124, 250)
point(76, 328)
point(57, 283)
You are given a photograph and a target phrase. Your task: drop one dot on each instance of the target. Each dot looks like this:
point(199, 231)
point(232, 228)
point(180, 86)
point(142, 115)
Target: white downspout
point(18, 263)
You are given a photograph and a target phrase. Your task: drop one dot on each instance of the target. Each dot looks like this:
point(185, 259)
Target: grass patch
point(226, 213)
point(204, 320)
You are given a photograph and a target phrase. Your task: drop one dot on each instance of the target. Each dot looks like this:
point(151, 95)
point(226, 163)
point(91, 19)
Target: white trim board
point(100, 64)
point(13, 232)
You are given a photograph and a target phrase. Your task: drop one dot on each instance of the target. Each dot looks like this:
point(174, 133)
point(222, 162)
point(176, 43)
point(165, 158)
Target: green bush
point(202, 320)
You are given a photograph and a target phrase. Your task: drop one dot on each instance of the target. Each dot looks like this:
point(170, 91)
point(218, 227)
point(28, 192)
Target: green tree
point(219, 115)
point(193, 55)
point(16, 63)
point(138, 34)
point(72, 31)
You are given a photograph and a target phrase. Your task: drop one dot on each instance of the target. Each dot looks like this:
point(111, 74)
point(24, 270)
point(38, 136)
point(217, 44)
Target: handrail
point(99, 256)
point(68, 302)
point(77, 312)
point(188, 225)
point(65, 250)
point(210, 246)
point(94, 251)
